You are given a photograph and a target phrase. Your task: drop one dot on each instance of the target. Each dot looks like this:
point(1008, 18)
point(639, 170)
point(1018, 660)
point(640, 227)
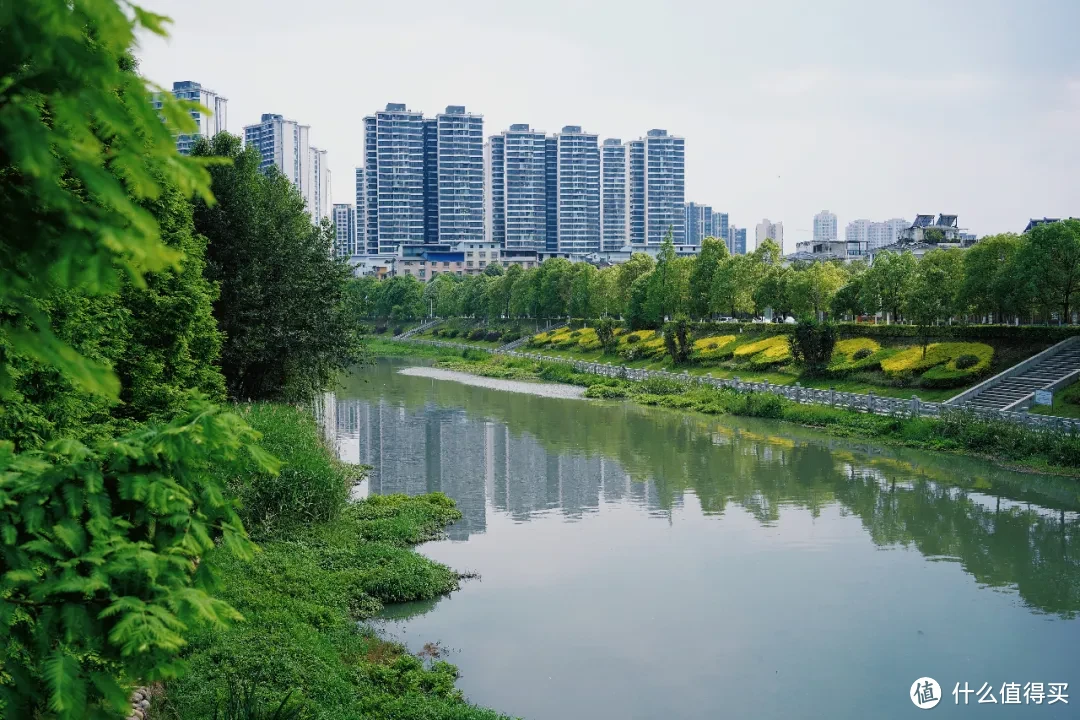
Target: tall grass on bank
point(312, 486)
point(325, 565)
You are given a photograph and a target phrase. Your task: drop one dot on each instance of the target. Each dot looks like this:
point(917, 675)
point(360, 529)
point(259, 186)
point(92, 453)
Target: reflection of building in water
point(473, 461)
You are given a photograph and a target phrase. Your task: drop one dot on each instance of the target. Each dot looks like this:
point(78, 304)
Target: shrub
point(855, 354)
point(632, 338)
point(398, 329)
point(312, 485)
point(606, 392)
point(677, 340)
point(380, 329)
point(477, 333)
point(575, 333)
point(661, 386)
point(967, 361)
point(493, 336)
point(475, 355)
point(605, 333)
point(950, 374)
point(913, 360)
point(812, 344)
point(103, 583)
point(712, 348)
point(772, 350)
point(451, 332)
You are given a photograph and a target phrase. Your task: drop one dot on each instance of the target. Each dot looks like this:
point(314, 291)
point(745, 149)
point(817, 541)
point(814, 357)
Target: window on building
point(468, 263)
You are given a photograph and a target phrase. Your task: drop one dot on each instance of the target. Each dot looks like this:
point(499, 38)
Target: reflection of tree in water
point(537, 453)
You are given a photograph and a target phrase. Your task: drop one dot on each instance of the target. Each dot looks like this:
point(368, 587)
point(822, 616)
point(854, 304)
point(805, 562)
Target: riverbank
point(1003, 442)
point(323, 568)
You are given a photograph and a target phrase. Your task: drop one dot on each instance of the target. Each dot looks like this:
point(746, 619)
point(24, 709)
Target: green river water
point(641, 563)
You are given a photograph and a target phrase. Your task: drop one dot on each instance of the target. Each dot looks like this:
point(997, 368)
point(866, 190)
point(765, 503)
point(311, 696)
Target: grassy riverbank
point(325, 565)
point(1002, 441)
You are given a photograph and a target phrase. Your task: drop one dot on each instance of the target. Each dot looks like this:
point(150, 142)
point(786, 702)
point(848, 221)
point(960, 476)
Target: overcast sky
point(865, 108)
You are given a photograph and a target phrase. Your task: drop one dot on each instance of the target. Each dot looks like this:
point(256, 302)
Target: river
point(643, 563)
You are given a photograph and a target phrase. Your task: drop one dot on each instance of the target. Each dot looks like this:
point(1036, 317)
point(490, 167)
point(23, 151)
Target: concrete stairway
point(419, 328)
point(1014, 389)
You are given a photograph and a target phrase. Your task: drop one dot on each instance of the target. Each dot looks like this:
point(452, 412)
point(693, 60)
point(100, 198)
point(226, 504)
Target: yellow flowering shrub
point(768, 351)
point(847, 348)
point(642, 335)
point(716, 347)
point(912, 360)
point(844, 360)
point(948, 374)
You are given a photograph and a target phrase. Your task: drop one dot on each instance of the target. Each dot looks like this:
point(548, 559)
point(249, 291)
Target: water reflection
point(521, 456)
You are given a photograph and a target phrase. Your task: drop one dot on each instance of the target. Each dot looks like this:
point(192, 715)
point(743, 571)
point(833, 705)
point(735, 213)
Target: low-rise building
point(378, 266)
point(928, 233)
point(1035, 222)
point(427, 261)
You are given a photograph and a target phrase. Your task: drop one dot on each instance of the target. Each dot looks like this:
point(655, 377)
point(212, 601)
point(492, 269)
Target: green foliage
point(81, 147)
point(632, 338)
point(713, 254)
point(812, 290)
point(967, 361)
point(100, 551)
point(605, 333)
point(311, 485)
point(677, 340)
point(301, 597)
point(934, 289)
point(640, 313)
point(991, 276)
point(244, 704)
point(864, 353)
point(887, 282)
point(283, 305)
point(812, 344)
point(1050, 262)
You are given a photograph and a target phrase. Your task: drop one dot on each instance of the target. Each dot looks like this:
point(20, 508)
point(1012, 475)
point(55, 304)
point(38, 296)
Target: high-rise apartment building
point(615, 195)
point(771, 231)
point(825, 227)
point(208, 124)
point(284, 144)
point(736, 240)
point(394, 178)
point(460, 177)
point(857, 237)
point(698, 223)
point(578, 191)
point(636, 181)
point(423, 178)
point(720, 226)
point(551, 183)
point(517, 182)
point(345, 230)
point(431, 180)
point(880, 234)
point(360, 242)
point(657, 188)
point(318, 197)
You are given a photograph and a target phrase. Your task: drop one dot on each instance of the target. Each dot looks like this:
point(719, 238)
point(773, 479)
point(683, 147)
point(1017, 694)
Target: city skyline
point(783, 136)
